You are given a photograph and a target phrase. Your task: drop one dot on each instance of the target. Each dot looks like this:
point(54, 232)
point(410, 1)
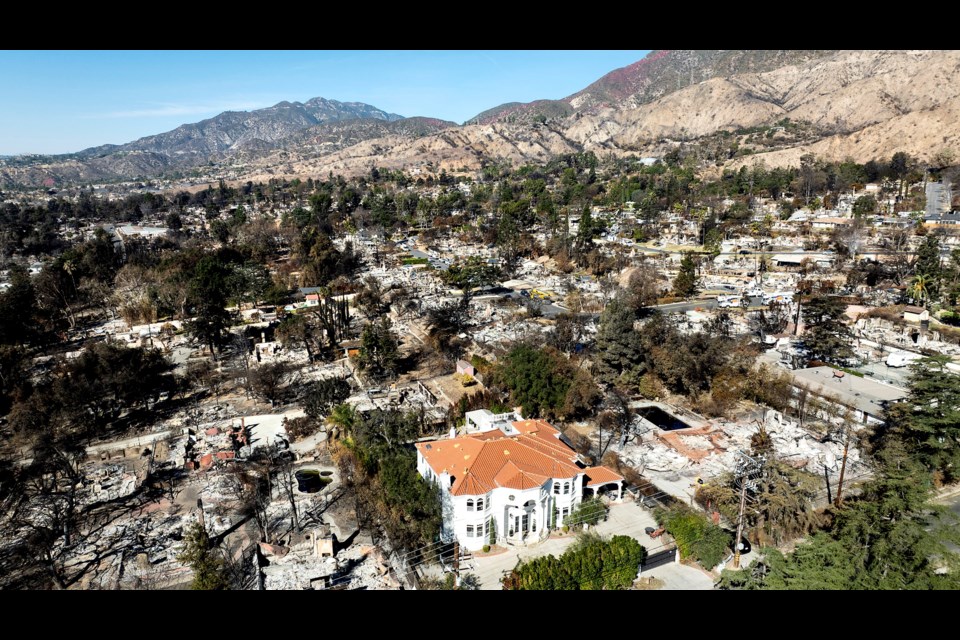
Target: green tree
point(864, 205)
point(197, 552)
point(587, 230)
point(927, 422)
point(687, 282)
point(528, 373)
point(888, 537)
point(323, 395)
point(343, 418)
point(208, 293)
point(545, 383)
point(379, 350)
point(620, 355)
point(920, 289)
point(900, 167)
point(210, 325)
point(174, 221)
point(19, 313)
point(928, 266)
point(827, 337)
point(712, 241)
point(696, 537)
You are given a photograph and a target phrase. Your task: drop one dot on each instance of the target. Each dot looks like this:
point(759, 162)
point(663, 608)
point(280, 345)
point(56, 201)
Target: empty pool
point(662, 419)
point(311, 480)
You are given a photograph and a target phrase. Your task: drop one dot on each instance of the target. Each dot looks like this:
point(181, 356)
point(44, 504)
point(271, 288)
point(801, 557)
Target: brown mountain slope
point(921, 134)
point(860, 104)
point(452, 149)
point(659, 74)
point(663, 72)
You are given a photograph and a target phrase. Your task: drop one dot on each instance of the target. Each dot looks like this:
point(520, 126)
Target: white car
point(779, 296)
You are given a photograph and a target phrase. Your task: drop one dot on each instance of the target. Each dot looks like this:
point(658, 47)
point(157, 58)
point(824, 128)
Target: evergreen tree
point(619, 352)
point(928, 266)
point(827, 336)
point(687, 282)
point(927, 422)
point(209, 573)
point(379, 349)
point(585, 231)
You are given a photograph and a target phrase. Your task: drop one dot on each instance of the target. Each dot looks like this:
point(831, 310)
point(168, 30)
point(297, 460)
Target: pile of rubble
point(674, 459)
point(311, 564)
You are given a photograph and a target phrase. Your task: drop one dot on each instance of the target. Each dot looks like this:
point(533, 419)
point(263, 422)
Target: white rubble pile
point(671, 470)
point(356, 567)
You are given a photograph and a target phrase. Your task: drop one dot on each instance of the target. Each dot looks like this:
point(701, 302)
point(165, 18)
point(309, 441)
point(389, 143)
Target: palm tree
point(918, 290)
point(342, 418)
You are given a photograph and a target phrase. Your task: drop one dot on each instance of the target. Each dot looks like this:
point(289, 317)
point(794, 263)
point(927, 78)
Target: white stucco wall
point(500, 508)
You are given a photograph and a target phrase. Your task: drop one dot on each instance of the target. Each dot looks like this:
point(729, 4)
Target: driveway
point(680, 577)
point(627, 518)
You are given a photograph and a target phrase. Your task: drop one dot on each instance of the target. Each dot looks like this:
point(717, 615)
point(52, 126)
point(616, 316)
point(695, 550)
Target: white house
point(915, 314)
point(512, 482)
point(485, 420)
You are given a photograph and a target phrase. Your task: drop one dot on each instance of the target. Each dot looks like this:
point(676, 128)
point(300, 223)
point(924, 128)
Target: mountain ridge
point(739, 106)
point(229, 128)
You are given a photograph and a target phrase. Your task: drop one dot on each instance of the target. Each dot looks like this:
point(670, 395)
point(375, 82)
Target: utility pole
point(736, 541)
point(746, 467)
point(456, 563)
point(843, 464)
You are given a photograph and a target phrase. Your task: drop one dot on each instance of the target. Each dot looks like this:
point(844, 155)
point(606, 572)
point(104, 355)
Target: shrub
point(591, 563)
point(696, 536)
point(651, 387)
point(486, 548)
point(589, 511)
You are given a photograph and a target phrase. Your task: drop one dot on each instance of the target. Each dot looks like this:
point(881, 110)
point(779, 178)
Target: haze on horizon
point(66, 101)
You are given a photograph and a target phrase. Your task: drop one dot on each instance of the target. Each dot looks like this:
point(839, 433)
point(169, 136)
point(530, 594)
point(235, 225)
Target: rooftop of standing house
point(863, 394)
point(481, 462)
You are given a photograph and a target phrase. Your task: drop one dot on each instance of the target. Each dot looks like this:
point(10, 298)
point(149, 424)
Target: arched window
point(556, 488)
point(566, 488)
point(470, 505)
point(479, 504)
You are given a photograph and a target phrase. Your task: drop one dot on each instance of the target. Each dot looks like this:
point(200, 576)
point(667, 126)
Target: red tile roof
point(597, 476)
point(480, 462)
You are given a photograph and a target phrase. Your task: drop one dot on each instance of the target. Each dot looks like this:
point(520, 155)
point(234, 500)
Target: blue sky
point(62, 101)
